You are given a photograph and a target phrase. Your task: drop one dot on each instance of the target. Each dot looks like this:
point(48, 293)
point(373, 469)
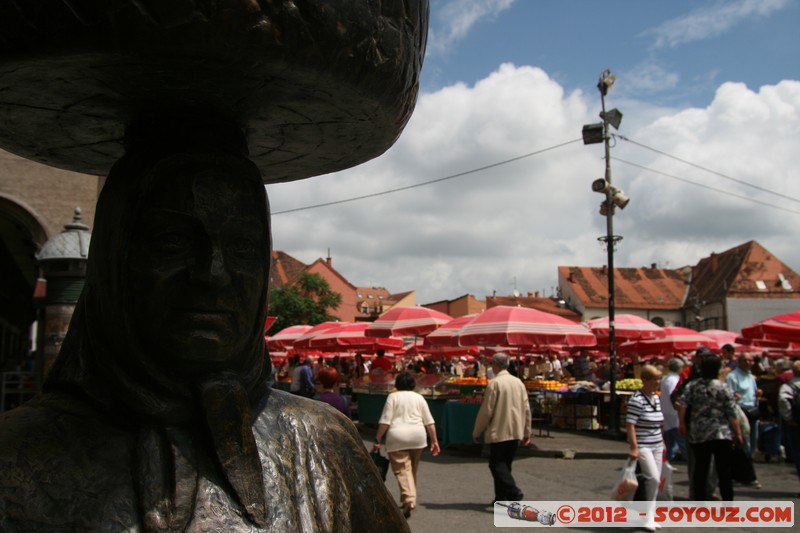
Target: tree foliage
point(309, 301)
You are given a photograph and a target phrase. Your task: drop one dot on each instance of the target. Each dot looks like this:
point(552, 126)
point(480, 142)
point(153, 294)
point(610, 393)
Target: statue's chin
point(199, 350)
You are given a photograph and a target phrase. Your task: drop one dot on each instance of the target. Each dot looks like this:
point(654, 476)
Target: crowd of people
point(719, 414)
point(712, 411)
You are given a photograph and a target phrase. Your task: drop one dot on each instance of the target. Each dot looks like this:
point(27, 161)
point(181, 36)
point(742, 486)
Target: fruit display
point(465, 385)
point(546, 384)
point(629, 384)
point(481, 382)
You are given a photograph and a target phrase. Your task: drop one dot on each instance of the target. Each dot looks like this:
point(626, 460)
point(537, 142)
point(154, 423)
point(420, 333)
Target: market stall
point(371, 392)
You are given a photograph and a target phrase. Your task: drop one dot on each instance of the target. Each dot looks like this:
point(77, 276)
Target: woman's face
point(198, 265)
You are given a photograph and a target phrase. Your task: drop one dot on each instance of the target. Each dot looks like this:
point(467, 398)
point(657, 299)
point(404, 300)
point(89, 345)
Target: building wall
point(745, 311)
point(36, 202)
point(463, 305)
point(347, 308)
point(51, 194)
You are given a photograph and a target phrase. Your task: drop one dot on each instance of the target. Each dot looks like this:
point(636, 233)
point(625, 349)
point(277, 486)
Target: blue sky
point(708, 150)
point(675, 52)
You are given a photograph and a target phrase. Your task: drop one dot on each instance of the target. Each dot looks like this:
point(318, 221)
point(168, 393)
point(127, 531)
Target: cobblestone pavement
point(455, 488)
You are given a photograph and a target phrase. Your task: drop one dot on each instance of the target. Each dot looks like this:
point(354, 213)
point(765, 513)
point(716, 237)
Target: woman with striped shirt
point(643, 424)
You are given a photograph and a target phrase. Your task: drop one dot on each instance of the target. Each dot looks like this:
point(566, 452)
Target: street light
point(594, 134)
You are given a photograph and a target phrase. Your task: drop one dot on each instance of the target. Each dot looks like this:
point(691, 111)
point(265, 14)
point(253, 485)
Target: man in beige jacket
point(505, 420)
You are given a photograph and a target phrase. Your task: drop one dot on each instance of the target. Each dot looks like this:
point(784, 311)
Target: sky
point(495, 182)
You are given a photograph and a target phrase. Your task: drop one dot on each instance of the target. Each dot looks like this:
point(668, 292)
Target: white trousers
point(650, 462)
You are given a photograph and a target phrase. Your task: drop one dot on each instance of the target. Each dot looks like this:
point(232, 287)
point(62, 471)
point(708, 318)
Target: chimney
point(714, 262)
point(329, 260)
point(536, 294)
point(653, 266)
point(530, 294)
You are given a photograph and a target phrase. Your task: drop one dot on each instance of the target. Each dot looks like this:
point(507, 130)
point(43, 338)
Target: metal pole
point(610, 243)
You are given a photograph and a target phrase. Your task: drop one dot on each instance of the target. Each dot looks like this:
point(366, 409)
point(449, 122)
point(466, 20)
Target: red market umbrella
point(284, 339)
point(721, 336)
point(677, 339)
point(350, 336)
point(781, 327)
point(302, 342)
point(626, 328)
point(521, 326)
point(407, 321)
point(447, 335)
point(762, 344)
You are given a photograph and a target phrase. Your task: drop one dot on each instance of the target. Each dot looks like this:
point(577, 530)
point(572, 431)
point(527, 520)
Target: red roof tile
point(745, 271)
point(634, 288)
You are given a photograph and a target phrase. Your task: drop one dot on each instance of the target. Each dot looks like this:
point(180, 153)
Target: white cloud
point(650, 77)
point(710, 20)
point(480, 232)
point(453, 21)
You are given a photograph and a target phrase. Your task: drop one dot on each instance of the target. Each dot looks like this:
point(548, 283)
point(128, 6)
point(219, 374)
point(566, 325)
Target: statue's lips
point(203, 321)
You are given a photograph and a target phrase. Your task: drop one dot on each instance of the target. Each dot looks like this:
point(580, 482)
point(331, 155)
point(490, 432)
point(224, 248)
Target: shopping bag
point(665, 485)
point(381, 462)
point(626, 487)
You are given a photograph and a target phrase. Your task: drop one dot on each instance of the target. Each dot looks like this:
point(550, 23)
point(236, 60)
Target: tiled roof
point(746, 271)
point(548, 305)
point(634, 288)
point(373, 295)
point(286, 270)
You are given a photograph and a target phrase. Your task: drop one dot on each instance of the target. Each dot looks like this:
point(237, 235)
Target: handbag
point(381, 462)
point(753, 413)
point(625, 489)
point(742, 469)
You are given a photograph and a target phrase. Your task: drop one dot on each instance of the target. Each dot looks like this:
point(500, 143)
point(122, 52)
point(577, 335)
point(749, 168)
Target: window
point(760, 285)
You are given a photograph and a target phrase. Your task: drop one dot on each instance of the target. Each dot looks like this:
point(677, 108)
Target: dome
point(70, 244)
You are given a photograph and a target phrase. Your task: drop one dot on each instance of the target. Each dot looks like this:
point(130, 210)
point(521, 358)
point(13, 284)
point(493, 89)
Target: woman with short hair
point(643, 424)
point(711, 428)
point(405, 419)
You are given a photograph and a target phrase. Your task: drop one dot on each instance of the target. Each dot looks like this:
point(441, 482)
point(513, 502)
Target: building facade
point(36, 201)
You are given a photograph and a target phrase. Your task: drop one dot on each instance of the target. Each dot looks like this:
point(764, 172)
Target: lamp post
point(593, 134)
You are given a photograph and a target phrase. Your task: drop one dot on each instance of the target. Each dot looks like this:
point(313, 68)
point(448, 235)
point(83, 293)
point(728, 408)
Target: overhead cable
point(749, 199)
point(720, 174)
point(430, 182)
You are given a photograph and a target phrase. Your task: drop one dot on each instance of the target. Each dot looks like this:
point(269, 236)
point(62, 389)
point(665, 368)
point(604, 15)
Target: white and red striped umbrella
point(626, 328)
point(677, 339)
point(780, 328)
point(522, 326)
point(447, 335)
point(722, 336)
point(302, 342)
point(406, 321)
point(285, 338)
point(350, 336)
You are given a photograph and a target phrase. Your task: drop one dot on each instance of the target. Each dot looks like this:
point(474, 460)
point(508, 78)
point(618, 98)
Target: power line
point(430, 182)
point(705, 186)
point(720, 174)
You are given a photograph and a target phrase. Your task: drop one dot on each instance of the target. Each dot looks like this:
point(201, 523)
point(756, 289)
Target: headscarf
point(180, 421)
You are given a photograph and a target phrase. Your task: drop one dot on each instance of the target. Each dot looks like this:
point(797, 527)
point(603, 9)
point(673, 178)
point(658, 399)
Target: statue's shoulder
point(281, 409)
point(46, 417)
point(56, 446)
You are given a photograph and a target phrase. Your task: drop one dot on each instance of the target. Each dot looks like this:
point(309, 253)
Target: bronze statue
point(156, 415)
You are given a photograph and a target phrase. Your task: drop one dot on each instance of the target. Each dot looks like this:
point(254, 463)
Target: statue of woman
point(156, 415)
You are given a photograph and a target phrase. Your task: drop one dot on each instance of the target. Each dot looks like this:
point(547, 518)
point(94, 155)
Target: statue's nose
point(211, 267)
